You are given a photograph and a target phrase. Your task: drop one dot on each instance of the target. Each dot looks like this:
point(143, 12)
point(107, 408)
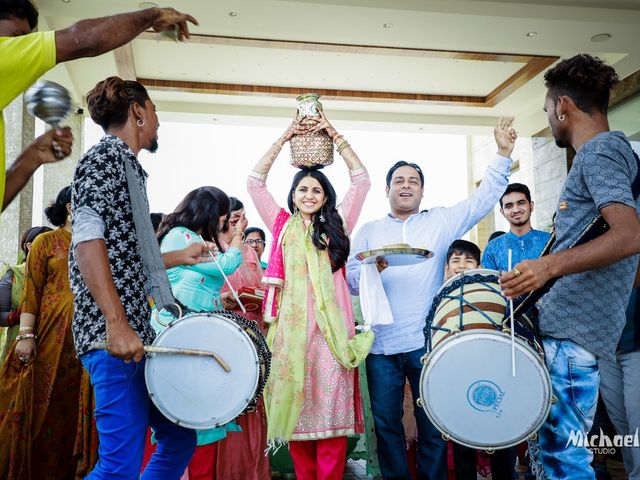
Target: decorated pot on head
point(311, 149)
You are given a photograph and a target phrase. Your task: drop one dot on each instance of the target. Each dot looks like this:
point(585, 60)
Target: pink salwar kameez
point(332, 407)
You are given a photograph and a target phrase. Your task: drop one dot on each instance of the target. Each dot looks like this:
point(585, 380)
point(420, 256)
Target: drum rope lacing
point(484, 280)
point(251, 328)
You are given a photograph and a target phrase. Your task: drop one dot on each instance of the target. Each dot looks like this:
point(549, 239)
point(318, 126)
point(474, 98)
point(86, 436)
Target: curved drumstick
point(174, 351)
point(513, 330)
point(226, 279)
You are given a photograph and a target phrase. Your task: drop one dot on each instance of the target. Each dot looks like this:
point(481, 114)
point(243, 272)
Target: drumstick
point(174, 351)
point(513, 338)
point(233, 291)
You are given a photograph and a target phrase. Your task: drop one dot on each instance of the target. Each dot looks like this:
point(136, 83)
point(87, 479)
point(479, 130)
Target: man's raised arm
point(92, 37)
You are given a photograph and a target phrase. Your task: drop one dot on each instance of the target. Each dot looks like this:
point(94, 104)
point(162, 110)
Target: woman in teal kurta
point(199, 217)
point(196, 286)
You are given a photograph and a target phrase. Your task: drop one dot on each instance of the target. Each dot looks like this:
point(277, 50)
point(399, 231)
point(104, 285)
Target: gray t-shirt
point(589, 307)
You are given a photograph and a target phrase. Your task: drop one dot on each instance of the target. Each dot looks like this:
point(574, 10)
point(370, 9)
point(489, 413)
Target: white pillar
point(549, 171)
point(58, 175)
point(19, 132)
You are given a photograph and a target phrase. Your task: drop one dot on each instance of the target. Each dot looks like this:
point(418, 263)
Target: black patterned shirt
point(589, 307)
point(100, 187)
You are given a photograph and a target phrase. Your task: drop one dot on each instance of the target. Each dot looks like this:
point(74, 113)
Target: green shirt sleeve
point(23, 60)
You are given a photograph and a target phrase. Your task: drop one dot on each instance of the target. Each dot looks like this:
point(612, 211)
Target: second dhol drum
point(467, 388)
point(196, 391)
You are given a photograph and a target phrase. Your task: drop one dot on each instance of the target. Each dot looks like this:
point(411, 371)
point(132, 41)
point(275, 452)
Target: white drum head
point(470, 395)
point(196, 392)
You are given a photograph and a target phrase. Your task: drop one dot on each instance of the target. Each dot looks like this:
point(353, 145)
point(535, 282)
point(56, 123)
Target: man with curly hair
point(583, 313)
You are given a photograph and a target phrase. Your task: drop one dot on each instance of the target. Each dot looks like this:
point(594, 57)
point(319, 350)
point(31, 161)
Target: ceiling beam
point(330, 94)
point(626, 88)
point(345, 48)
point(532, 66)
point(518, 79)
point(125, 62)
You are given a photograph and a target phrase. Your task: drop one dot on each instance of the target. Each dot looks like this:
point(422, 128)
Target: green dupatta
point(8, 334)
point(287, 338)
point(18, 282)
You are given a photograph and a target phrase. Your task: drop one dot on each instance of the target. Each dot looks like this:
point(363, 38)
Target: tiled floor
point(356, 470)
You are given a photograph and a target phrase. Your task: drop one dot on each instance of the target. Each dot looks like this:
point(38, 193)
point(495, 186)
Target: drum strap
point(597, 227)
point(158, 284)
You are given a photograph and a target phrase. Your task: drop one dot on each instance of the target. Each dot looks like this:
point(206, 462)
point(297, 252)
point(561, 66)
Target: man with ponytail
point(26, 55)
point(109, 283)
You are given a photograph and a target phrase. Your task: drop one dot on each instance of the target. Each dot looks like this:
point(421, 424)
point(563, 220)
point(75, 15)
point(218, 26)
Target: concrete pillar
point(550, 167)
point(58, 175)
point(481, 150)
point(477, 161)
point(19, 132)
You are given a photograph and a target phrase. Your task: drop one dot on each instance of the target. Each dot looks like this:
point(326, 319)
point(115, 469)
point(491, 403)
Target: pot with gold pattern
point(311, 149)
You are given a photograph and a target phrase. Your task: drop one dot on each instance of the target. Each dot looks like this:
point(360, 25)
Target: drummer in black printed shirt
point(109, 285)
point(462, 256)
point(583, 314)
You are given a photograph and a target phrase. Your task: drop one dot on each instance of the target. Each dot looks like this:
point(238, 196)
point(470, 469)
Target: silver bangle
point(357, 171)
point(342, 147)
point(258, 175)
point(24, 336)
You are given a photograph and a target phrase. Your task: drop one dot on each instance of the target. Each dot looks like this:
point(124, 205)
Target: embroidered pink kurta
point(332, 406)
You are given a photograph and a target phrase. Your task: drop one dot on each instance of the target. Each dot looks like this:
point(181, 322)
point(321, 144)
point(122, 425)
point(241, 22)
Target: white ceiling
point(564, 28)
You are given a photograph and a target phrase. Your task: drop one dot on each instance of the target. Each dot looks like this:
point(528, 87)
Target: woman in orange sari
point(41, 377)
point(241, 454)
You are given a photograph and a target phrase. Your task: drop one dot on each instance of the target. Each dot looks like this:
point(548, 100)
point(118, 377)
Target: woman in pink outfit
point(312, 397)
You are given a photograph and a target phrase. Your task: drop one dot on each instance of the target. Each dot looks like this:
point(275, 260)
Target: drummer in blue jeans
point(109, 284)
point(583, 314)
point(398, 347)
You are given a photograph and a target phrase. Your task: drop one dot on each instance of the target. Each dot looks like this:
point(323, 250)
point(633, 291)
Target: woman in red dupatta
point(241, 455)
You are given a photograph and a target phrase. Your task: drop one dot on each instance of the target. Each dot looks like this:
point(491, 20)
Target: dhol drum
point(195, 391)
point(466, 387)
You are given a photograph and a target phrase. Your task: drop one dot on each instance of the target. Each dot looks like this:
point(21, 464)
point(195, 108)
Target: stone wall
point(19, 132)
point(60, 174)
point(481, 150)
point(550, 171)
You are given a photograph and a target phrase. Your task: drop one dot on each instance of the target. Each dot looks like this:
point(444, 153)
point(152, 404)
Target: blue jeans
point(386, 375)
point(123, 413)
point(620, 390)
point(574, 378)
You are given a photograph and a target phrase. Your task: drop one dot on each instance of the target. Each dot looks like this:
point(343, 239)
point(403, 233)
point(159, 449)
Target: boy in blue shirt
point(525, 242)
